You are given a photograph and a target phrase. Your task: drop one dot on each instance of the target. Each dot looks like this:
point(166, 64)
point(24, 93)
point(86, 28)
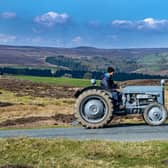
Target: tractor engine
point(135, 102)
point(137, 98)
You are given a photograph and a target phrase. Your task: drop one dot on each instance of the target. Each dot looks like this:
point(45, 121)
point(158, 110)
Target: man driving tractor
point(107, 83)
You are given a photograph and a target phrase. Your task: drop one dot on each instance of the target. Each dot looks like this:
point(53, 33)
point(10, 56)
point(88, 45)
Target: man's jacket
point(107, 82)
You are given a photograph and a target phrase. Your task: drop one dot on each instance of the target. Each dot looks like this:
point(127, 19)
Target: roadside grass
point(61, 153)
point(61, 81)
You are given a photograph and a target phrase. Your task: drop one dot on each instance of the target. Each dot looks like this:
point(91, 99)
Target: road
point(125, 133)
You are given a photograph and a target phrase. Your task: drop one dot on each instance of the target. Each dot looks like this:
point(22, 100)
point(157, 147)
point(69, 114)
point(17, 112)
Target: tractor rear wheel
point(94, 108)
point(155, 114)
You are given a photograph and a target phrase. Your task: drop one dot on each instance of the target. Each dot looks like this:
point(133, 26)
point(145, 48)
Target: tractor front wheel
point(155, 114)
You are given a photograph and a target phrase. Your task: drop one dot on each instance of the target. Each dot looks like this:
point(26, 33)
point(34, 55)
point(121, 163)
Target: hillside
point(149, 61)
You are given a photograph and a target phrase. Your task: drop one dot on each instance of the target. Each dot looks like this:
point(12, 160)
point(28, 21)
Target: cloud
point(7, 38)
point(151, 23)
point(8, 15)
point(51, 18)
point(122, 22)
point(77, 40)
point(145, 24)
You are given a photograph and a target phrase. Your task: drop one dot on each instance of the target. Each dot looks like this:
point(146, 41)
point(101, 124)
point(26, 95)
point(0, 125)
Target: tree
point(87, 75)
point(66, 75)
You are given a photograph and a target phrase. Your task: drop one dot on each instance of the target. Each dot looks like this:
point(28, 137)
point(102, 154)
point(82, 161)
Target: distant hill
point(144, 60)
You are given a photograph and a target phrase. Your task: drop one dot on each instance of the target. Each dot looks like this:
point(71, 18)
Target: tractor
point(95, 106)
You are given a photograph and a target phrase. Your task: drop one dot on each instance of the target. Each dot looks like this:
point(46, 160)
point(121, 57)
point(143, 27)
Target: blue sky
point(97, 23)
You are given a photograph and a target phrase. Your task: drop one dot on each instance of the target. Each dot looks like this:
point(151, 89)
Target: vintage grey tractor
point(95, 106)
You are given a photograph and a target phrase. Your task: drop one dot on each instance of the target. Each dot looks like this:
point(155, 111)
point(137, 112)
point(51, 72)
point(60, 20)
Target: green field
point(58, 81)
point(154, 62)
point(53, 153)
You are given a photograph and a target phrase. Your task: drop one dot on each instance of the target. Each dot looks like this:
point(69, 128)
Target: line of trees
point(70, 63)
point(120, 76)
point(25, 71)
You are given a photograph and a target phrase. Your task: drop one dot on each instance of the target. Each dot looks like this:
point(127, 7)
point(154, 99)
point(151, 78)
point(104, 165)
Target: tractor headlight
point(93, 81)
point(162, 82)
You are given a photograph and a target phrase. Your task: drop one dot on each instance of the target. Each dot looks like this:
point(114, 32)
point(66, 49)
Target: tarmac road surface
point(138, 132)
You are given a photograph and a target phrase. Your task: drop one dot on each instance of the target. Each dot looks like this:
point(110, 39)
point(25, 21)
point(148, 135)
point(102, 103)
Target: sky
point(94, 23)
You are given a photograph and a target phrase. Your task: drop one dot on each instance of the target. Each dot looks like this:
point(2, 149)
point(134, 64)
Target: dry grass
point(21, 111)
point(37, 111)
point(166, 99)
point(10, 97)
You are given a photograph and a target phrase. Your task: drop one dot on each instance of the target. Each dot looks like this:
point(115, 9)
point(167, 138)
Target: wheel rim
point(93, 109)
point(156, 115)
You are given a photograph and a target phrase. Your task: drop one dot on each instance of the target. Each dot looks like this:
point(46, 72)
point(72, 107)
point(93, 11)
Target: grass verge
point(42, 153)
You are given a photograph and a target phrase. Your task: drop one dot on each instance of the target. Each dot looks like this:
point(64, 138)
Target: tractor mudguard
point(80, 91)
